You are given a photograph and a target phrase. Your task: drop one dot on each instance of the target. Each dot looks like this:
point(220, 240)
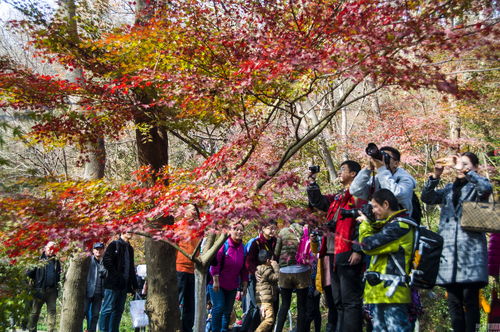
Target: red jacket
point(345, 230)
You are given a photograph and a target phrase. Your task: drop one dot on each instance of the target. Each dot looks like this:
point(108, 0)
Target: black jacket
point(39, 274)
point(114, 263)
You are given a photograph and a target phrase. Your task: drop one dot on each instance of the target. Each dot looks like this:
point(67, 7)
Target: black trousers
point(463, 304)
point(313, 313)
point(286, 300)
point(348, 297)
point(185, 287)
point(333, 316)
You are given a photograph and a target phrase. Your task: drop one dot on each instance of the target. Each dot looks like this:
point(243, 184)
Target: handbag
point(138, 312)
point(480, 216)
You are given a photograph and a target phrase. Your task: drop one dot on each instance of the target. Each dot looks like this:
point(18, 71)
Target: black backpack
point(416, 212)
point(425, 257)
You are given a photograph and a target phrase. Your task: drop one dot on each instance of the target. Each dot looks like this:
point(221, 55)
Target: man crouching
point(388, 238)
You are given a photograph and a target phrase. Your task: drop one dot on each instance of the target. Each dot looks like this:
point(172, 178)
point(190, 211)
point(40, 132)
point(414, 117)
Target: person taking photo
point(341, 256)
point(463, 269)
point(387, 236)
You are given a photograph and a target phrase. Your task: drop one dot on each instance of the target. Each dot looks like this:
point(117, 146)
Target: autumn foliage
point(240, 65)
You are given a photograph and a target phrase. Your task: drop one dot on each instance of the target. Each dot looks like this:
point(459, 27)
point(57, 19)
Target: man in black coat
point(45, 283)
point(121, 279)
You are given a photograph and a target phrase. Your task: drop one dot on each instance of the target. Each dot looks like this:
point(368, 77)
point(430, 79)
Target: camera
point(373, 151)
point(372, 278)
point(314, 169)
point(366, 209)
point(317, 232)
point(331, 225)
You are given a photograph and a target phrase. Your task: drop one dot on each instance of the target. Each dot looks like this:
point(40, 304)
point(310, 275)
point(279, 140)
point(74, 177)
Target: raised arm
point(317, 199)
point(430, 195)
point(402, 189)
point(360, 186)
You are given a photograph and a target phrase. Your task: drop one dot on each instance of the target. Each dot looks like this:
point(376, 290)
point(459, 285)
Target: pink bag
point(303, 255)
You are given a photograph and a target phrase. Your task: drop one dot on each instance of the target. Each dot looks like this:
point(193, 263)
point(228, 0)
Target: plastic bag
point(138, 313)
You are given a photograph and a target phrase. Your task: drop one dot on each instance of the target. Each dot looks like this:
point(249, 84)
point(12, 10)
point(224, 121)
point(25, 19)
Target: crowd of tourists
point(360, 258)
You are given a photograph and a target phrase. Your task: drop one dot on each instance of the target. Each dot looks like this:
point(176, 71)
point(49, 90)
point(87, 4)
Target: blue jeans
point(222, 307)
point(112, 310)
point(391, 317)
point(92, 308)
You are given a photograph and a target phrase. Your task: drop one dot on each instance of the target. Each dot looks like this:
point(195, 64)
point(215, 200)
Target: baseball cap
point(98, 245)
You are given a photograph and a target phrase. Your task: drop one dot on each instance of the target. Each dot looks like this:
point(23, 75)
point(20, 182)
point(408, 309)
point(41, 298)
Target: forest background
point(171, 119)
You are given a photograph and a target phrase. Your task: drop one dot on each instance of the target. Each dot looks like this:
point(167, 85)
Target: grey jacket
point(464, 256)
point(95, 278)
point(401, 184)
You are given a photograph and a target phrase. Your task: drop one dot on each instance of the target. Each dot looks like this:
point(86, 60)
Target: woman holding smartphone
point(463, 267)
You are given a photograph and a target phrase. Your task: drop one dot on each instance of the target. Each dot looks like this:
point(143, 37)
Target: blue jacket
point(95, 278)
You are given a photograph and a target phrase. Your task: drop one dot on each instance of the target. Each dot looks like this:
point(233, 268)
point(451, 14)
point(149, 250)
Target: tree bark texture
point(152, 147)
point(162, 302)
point(96, 160)
point(72, 312)
point(212, 244)
point(200, 294)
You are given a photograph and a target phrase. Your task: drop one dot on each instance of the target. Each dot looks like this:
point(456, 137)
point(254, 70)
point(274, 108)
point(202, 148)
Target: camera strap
point(371, 189)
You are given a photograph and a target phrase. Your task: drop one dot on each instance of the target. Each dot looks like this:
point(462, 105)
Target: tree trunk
point(162, 300)
point(72, 312)
point(343, 128)
point(375, 101)
point(455, 129)
point(200, 295)
point(162, 305)
point(324, 149)
point(212, 244)
point(96, 161)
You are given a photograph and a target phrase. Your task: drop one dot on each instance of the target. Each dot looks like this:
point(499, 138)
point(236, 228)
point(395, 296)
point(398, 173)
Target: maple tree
point(243, 67)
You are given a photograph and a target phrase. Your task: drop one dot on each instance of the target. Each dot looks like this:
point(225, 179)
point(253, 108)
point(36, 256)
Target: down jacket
point(464, 256)
point(267, 284)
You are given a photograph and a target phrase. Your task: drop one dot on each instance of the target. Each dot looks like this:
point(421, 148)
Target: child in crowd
point(267, 289)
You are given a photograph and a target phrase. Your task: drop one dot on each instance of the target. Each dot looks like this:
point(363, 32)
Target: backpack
point(425, 256)
point(248, 245)
point(416, 212)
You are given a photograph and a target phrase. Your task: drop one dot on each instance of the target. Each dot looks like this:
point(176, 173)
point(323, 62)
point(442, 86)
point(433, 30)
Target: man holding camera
point(385, 161)
point(341, 256)
point(387, 235)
